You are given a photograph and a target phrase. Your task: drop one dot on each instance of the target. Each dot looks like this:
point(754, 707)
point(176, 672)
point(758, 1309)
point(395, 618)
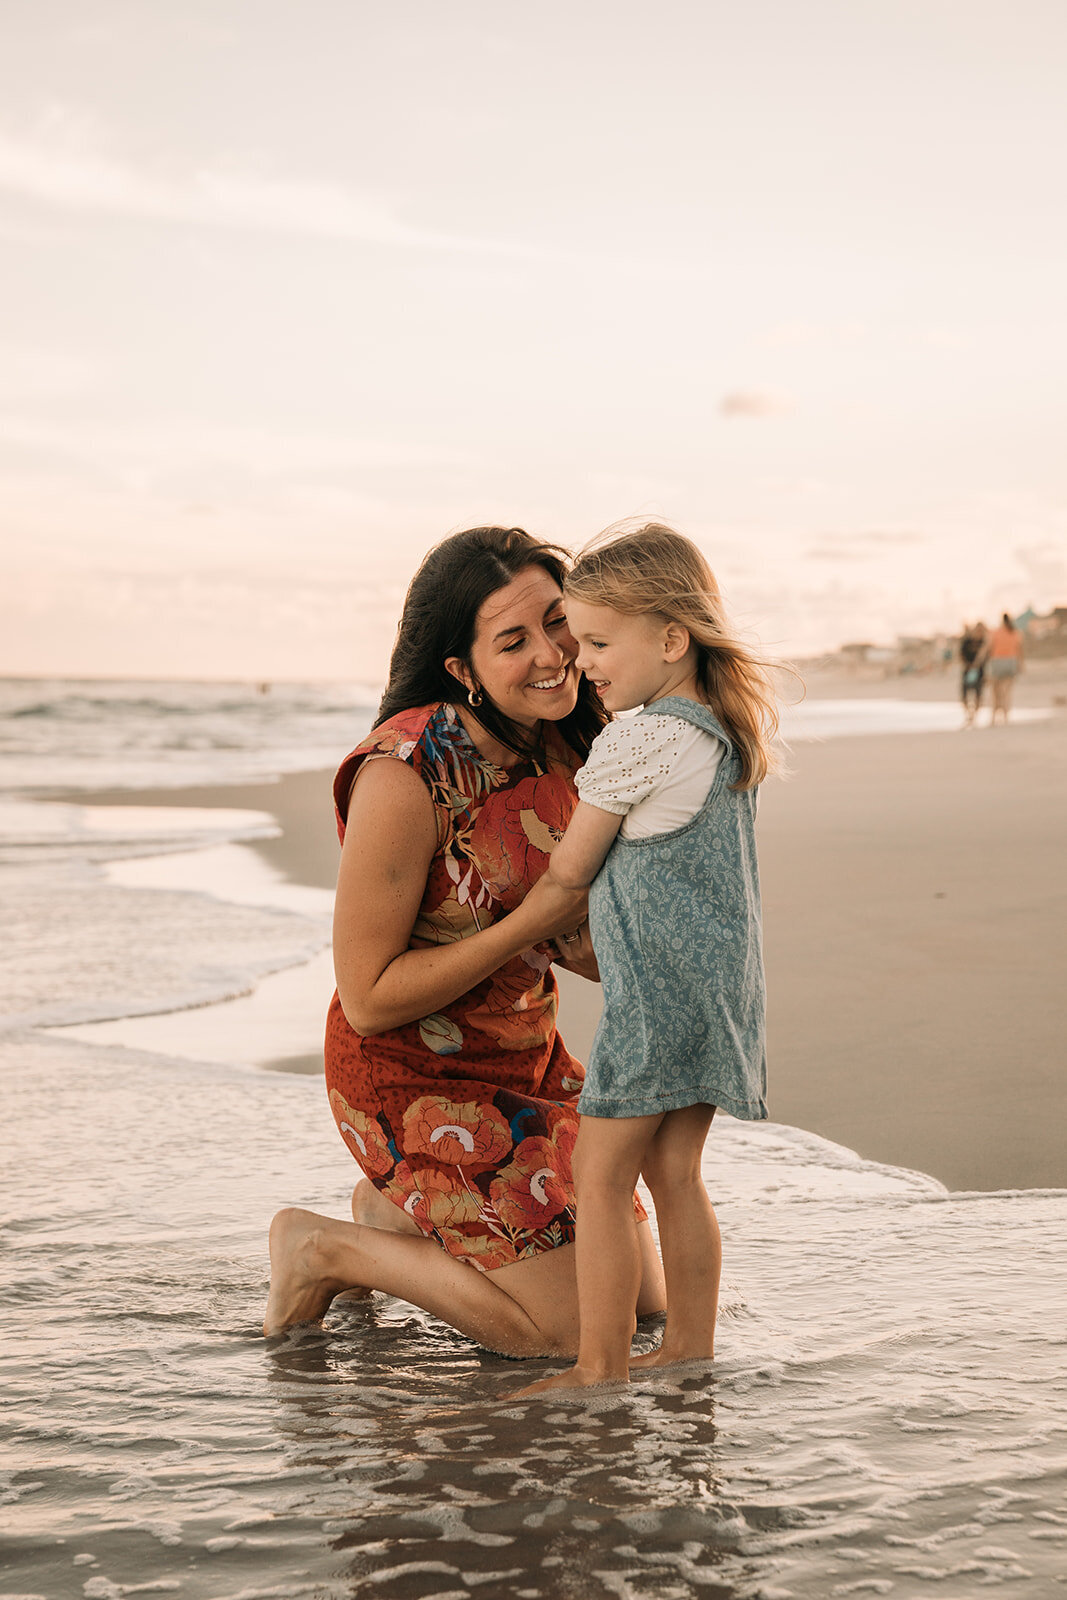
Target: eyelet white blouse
point(654, 771)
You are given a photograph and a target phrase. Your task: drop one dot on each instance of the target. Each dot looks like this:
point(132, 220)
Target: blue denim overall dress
point(676, 926)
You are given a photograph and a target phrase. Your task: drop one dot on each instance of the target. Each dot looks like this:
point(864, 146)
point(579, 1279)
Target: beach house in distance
point(1046, 640)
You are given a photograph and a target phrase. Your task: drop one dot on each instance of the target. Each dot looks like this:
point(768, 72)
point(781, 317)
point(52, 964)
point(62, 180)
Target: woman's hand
point(575, 952)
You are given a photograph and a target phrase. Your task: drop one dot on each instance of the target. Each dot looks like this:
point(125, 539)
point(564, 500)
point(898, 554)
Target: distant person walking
point(1005, 664)
point(974, 649)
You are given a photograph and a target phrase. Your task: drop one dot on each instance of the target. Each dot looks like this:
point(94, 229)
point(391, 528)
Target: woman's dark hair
point(1008, 623)
point(439, 620)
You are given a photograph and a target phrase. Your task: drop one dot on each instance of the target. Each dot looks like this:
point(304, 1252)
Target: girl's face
point(523, 652)
point(630, 661)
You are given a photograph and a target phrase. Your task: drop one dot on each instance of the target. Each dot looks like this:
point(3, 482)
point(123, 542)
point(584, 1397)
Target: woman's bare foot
point(575, 1377)
point(371, 1207)
point(663, 1357)
point(299, 1288)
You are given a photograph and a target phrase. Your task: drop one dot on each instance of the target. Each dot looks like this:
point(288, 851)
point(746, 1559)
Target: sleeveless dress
point(676, 925)
point(466, 1118)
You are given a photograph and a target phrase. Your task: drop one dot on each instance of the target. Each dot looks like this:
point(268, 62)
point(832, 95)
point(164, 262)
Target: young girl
point(663, 833)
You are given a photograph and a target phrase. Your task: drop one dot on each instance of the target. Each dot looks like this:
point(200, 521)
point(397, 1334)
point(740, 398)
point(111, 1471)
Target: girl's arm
point(559, 895)
point(580, 854)
point(390, 841)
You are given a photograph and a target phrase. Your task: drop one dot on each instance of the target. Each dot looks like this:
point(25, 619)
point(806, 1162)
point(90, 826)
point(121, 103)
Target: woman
point(1005, 662)
point(446, 1075)
point(974, 648)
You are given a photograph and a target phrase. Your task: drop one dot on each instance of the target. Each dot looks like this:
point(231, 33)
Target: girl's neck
point(684, 686)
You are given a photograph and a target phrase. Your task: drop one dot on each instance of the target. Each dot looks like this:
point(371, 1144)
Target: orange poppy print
point(515, 834)
point(467, 1135)
point(443, 1202)
point(363, 1136)
point(534, 1187)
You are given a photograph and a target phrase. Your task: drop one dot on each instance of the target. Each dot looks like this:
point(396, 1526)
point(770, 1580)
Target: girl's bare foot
point(299, 1289)
point(575, 1377)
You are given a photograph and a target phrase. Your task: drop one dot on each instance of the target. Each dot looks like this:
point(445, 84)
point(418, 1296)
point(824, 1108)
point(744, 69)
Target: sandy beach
point(914, 892)
point(914, 898)
point(879, 1395)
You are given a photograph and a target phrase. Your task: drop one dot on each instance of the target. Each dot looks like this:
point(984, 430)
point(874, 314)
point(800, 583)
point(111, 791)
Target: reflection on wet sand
point(614, 1492)
point(448, 1492)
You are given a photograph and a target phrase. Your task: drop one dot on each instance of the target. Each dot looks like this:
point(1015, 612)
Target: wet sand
point(915, 900)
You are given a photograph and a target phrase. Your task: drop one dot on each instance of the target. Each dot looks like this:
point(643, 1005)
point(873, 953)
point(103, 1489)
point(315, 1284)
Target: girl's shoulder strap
point(694, 711)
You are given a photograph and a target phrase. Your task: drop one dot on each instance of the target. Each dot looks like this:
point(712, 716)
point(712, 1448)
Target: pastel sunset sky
point(290, 291)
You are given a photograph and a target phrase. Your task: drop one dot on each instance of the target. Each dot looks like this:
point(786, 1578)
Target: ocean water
point(887, 1414)
point(129, 735)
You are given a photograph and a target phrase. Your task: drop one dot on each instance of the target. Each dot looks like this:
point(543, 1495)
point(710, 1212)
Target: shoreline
point(306, 852)
point(912, 912)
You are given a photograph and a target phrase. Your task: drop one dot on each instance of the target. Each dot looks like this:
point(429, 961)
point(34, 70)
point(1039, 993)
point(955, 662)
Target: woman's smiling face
point(523, 653)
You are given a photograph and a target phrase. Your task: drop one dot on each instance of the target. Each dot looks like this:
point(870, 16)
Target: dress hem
point(743, 1110)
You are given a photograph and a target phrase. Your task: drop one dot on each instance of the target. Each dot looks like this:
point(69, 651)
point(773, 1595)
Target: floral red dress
point(466, 1118)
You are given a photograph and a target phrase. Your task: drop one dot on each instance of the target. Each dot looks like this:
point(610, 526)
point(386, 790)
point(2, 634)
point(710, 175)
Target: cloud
point(174, 445)
point(892, 536)
point(30, 374)
point(225, 622)
point(633, 489)
point(865, 545)
point(754, 403)
point(1046, 571)
point(836, 552)
point(60, 164)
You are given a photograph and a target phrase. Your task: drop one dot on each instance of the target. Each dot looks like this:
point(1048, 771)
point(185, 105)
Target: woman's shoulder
point(410, 736)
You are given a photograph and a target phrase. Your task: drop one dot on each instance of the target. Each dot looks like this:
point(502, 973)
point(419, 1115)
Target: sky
point(288, 292)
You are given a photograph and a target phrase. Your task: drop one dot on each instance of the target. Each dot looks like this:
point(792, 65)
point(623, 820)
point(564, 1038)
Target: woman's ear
point(459, 669)
point(676, 641)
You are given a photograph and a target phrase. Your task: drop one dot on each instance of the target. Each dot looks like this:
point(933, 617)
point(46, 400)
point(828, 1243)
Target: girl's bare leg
point(652, 1295)
point(689, 1238)
point(608, 1159)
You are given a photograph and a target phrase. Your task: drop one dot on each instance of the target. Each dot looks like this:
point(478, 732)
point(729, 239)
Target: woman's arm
point(390, 841)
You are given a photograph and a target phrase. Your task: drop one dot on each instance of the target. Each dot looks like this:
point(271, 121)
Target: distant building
point(1046, 638)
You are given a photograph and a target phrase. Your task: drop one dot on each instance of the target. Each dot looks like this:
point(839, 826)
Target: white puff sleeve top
point(654, 771)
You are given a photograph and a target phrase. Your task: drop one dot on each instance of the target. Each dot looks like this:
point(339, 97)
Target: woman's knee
point(544, 1290)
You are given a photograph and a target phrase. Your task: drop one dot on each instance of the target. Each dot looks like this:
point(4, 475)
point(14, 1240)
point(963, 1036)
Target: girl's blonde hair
point(654, 569)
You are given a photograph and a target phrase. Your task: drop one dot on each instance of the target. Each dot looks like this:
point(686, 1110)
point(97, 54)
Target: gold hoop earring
point(474, 698)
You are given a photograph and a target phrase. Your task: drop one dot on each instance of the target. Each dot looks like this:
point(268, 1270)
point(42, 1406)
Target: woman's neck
point(497, 754)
